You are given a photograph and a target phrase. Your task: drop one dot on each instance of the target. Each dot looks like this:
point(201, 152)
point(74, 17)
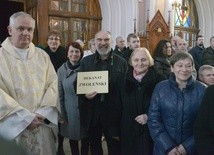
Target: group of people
point(153, 105)
point(203, 71)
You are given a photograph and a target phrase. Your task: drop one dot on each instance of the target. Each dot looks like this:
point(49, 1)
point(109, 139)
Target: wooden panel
point(144, 41)
point(157, 30)
point(42, 21)
point(64, 14)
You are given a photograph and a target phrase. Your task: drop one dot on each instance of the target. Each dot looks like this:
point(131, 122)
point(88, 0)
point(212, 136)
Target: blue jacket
point(172, 114)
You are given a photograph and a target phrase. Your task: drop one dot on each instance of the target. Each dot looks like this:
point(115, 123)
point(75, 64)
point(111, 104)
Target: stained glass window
point(186, 21)
point(182, 14)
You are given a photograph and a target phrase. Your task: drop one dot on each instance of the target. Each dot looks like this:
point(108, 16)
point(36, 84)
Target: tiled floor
point(68, 151)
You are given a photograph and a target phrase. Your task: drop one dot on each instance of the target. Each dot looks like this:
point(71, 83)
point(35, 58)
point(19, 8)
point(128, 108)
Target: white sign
point(88, 82)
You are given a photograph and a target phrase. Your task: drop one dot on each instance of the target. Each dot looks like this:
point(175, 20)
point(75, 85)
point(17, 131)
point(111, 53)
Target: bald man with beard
point(101, 113)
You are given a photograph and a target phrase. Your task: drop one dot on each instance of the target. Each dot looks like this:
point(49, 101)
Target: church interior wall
point(118, 15)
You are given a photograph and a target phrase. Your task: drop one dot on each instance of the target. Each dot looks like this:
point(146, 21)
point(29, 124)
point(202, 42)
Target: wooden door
point(7, 8)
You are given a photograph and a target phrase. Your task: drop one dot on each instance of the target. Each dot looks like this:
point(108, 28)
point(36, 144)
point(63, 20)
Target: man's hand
point(37, 121)
point(182, 150)
point(91, 95)
point(142, 119)
point(40, 117)
point(116, 138)
point(62, 120)
point(174, 152)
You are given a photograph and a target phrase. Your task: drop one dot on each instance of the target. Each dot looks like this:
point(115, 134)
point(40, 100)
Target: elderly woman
point(173, 109)
point(70, 117)
point(140, 81)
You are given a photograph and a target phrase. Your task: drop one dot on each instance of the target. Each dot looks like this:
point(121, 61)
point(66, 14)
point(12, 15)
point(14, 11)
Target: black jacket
point(196, 53)
point(106, 107)
point(58, 57)
point(208, 56)
point(204, 125)
point(118, 51)
point(135, 138)
point(162, 65)
point(127, 53)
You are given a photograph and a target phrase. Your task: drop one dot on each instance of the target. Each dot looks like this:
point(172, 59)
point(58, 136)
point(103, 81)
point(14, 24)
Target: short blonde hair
point(146, 51)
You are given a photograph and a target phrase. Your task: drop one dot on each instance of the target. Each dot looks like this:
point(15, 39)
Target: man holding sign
point(101, 110)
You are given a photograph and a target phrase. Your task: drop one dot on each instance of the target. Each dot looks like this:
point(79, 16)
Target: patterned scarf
point(138, 76)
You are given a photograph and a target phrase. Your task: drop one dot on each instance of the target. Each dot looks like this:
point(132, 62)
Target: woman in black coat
point(204, 125)
point(140, 81)
point(162, 53)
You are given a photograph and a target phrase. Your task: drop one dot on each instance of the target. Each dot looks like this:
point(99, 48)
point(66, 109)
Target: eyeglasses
point(56, 39)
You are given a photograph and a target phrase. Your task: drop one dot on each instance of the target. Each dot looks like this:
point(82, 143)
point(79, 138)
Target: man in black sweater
point(101, 113)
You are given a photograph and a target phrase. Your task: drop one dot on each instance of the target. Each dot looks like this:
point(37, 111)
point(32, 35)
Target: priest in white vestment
point(28, 90)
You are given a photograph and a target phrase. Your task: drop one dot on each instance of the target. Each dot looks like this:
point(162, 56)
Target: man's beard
point(201, 44)
point(104, 51)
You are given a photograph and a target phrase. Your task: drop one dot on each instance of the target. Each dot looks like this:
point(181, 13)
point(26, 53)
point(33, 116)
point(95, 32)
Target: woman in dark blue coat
point(173, 109)
point(140, 82)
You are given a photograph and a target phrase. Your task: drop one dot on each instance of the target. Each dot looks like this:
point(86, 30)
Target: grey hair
point(103, 31)
point(17, 14)
point(204, 67)
point(119, 37)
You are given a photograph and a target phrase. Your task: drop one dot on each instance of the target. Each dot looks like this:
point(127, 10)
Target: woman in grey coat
point(70, 117)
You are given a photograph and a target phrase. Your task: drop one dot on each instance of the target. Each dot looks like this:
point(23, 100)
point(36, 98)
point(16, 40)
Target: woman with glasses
point(54, 50)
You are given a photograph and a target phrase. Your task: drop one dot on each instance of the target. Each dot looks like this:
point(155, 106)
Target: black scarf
point(71, 66)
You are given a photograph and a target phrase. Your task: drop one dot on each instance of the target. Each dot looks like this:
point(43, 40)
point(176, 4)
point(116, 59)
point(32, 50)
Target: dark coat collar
point(190, 82)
